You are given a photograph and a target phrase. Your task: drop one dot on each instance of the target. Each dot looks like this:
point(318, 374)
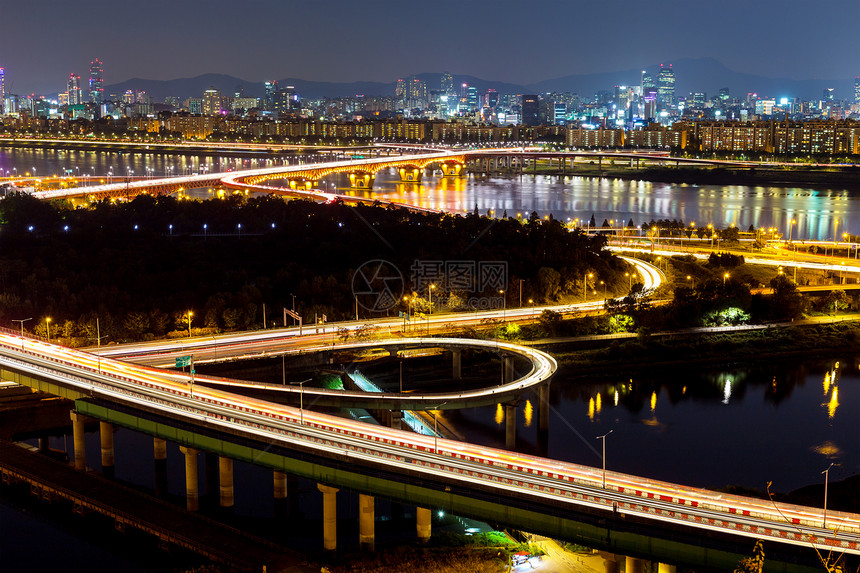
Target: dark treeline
point(140, 266)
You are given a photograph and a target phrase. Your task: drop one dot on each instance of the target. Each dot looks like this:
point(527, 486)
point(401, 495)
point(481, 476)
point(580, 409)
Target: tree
point(549, 280)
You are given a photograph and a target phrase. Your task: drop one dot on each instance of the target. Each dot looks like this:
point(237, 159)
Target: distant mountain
point(700, 75)
point(703, 74)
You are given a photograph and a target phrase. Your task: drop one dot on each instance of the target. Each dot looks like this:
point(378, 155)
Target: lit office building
point(447, 84)
point(97, 83)
point(73, 88)
point(666, 86)
point(530, 107)
point(212, 102)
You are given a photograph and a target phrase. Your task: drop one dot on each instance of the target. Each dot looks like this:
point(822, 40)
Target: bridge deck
point(131, 508)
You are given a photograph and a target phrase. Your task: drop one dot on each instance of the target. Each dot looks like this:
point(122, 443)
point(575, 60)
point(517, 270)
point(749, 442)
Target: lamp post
point(603, 437)
point(790, 229)
point(430, 288)
point(48, 327)
point(22, 321)
point(504, 304)
point(604, 289)
point(189, 323)
point(725, 276)
point(826, 476)
point(585, 286)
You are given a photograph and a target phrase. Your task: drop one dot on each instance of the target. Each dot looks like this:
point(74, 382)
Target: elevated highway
point(457, 467)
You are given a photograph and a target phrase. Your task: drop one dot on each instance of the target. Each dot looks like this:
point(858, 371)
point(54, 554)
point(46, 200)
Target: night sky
point(523, 41)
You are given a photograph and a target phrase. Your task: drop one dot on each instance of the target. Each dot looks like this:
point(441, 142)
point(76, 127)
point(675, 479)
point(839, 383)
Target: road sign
point(183, 361)
point(292, 314)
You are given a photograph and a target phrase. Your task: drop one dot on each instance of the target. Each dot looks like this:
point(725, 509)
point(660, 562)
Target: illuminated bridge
point(613, 512)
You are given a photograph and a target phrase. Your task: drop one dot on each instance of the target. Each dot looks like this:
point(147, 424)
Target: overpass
point(546, 496)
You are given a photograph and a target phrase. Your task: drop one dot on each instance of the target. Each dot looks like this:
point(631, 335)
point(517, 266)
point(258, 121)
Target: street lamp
point(585, 286)
point(603, 437)
point(430, 289)
point(48, 327)
point(301, 400)
point(790, 229)
point(826, 476)
point(725, 276)
point(604, 289)
point(22, 321)
point(189, 323)
point(504, 304)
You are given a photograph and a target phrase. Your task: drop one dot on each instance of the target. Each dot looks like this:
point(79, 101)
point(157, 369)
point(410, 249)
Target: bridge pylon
point(452, 168)
point(410, 173)
point(361, 179)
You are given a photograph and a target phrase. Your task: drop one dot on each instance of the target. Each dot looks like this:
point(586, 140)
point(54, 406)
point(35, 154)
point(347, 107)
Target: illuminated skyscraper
point(447, 85)
point(97, 83)
point(2, 85)
point(856, 86)
point(212, 102)
point(827, 95)
point(647, 83)
point(530, 107)
point(271, 89)
point(472, 98)
point(400, 88)
point(73, 88)
point(666, 86)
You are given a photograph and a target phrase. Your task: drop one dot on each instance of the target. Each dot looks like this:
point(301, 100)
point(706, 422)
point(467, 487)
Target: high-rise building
point(287, 102)
point(73, 88)
point(2, 85)
point(856, 86)
point(417, 89)
point(400, 89)
point(647, 83)
point(827, 95)
point(472, 98)
point(530, 108)
point(212, 102)
point(97, 83)
point(666, 86)
point(271, 89)
point(492, 98)
point(447, 84)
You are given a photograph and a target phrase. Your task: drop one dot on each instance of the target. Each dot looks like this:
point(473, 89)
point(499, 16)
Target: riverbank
point(579, 358)
point(847, 177)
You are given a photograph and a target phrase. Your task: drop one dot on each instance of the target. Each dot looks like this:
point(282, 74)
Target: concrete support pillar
point(106, 434)
point(44, 444)
point(366, 532)
point(610, 562)
point(159, 447)
point(192, 494)
point(543, 407)
point(329, 516)
point(78, 440)
point(422, 523)
point(665, 568)
point(225, 481)
point(457, 370)
point(634, 565)
point(509, 369)
point(396, 420)
point(510, 426)
point(280, 485)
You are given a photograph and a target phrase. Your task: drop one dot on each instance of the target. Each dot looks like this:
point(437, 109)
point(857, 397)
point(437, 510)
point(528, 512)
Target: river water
point(783, 421)
point(819, 213)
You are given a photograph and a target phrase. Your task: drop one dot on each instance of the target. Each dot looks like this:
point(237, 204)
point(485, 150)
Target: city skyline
point(484, 40)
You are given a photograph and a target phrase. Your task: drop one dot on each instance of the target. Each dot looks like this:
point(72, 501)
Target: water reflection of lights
point(828, 449)
point(528, 412)
point(500, 414)
point(653, 401)
point(598, 403)
point(616, 397)
point(727, 390)
point(833, 403)
point(591, 408)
